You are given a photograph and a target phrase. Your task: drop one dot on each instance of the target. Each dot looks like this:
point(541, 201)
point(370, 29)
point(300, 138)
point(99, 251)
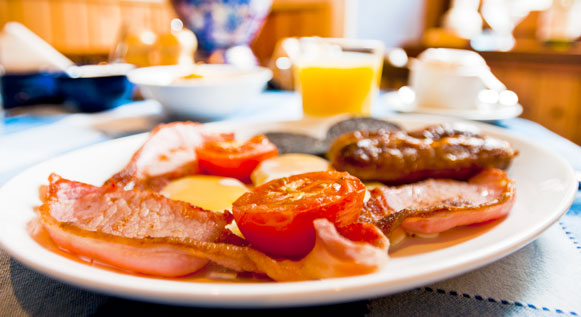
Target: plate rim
point(351, 290)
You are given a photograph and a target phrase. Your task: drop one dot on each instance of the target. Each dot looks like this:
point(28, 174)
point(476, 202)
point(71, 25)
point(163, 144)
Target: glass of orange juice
point(336, 75)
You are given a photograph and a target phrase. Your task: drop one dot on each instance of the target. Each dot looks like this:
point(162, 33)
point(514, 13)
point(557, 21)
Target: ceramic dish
point(220, 90)
point(486, 112)
point(545, 182)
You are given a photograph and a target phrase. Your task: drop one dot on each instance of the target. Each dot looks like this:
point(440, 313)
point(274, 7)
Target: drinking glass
point(337, 76)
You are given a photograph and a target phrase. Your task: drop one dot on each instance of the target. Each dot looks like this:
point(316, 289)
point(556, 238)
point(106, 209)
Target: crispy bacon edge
point(334, 254)
point(434, 219)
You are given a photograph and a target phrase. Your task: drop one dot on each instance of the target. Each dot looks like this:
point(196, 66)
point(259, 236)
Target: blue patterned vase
point(221, 24)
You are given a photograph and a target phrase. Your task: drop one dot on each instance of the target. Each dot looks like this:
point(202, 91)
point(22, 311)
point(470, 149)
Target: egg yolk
point(206, 191)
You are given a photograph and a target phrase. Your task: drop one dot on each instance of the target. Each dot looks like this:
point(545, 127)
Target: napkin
point(23, 51)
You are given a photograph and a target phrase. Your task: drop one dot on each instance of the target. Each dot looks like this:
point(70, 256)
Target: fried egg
point(286, 165)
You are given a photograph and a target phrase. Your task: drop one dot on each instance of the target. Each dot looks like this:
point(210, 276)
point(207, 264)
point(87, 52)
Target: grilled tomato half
point(231, 158)
point(277, 217)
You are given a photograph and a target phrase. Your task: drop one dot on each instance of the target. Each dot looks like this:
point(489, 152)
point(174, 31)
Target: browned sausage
point(398, 157)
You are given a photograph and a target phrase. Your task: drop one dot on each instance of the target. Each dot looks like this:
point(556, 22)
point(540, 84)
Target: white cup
point(450, 78)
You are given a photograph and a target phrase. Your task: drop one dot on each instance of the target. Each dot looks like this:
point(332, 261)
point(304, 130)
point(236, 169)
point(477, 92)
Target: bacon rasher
point(168, 153)
point(145, 232)
point(130, 229)
point(433, 206)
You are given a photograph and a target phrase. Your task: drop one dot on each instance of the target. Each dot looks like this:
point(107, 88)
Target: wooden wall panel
point(136, 15)
point(577, 137)
point(161, 16)
point(265, 39)
point(314, 22)
point(15, 10)
point(511, 77)
point(37, 15)
point(558, 102)
point(4, 14)
point(433, 10)
point(103, 31)
point(549, 93)
point(299, 18)
point(34, 13)
point(70, 27)
point(337, 16)
point(77, 27)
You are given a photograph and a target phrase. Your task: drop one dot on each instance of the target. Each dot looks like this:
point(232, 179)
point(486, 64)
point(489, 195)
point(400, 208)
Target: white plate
point(488, 112)
point(545, 189)
point(223, 91)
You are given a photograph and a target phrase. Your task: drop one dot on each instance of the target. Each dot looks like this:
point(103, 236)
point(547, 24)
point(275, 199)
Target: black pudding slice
point(300, 143)
point(296, 143)
point(354, 124)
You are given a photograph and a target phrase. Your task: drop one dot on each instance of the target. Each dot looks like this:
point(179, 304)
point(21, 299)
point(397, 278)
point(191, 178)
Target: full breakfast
point(189, 199)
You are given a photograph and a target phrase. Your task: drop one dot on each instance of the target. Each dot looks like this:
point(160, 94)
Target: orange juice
point(345, 83)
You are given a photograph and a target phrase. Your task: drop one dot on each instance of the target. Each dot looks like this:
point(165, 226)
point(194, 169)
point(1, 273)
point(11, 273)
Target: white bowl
point(222, 90)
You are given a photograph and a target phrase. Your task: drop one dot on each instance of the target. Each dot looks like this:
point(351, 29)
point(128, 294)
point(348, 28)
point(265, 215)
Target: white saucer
point(486, 112)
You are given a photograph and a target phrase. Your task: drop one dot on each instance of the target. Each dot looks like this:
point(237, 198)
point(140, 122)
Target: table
point(543, 277)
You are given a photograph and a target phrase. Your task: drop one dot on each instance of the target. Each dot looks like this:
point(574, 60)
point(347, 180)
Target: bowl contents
point(190, 76)
point(179, 204)
point(197, 76)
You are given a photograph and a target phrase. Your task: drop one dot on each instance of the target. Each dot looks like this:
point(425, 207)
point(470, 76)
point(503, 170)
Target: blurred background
point(532, 46)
